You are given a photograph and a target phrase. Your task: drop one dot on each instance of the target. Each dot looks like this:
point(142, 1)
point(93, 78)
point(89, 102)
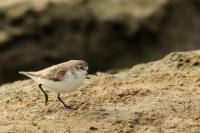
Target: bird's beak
point(90, 72)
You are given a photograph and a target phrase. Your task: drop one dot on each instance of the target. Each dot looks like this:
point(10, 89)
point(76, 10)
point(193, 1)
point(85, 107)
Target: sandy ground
point(160, 96)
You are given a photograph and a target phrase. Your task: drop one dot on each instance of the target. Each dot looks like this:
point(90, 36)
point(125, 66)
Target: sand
point(160, 96)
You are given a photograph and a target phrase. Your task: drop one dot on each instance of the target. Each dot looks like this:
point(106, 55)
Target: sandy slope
point(161, 96)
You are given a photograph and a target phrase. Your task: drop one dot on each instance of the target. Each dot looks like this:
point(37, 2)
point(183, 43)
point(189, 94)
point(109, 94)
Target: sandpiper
point(61, 78)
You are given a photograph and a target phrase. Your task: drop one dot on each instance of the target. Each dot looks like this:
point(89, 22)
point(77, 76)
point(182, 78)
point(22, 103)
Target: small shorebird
point(62, 78)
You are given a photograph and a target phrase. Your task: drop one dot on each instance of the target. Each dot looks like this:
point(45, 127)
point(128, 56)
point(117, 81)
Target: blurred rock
point(107, 33)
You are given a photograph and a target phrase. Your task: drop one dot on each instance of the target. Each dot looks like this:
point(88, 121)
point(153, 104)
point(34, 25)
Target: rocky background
point(108, 34)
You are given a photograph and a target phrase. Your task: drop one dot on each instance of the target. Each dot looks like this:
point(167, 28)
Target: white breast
point(70, 82)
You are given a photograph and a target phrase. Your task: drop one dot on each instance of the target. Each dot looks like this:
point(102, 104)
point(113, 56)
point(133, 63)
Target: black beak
point(90, 72)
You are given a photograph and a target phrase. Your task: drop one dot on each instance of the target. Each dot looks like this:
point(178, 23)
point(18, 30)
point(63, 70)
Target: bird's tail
point(29, 74)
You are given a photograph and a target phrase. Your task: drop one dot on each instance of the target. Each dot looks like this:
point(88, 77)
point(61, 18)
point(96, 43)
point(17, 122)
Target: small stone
point(93, 128)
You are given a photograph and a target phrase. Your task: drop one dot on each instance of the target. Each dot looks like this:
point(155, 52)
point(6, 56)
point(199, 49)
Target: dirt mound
point(159, 96)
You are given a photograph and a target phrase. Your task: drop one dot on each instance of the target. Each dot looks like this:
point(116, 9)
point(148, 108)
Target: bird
point(62, 78)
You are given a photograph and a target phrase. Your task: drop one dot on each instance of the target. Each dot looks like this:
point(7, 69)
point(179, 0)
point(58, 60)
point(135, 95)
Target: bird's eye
point(81, 68)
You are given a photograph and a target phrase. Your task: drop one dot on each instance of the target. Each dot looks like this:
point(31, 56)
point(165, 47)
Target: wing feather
point(53, 73)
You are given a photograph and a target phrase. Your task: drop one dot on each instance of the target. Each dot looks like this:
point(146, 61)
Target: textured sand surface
point(160, 96)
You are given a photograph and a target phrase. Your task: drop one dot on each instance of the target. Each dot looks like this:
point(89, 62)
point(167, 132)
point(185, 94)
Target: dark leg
point(66, 106)
point(45, 94)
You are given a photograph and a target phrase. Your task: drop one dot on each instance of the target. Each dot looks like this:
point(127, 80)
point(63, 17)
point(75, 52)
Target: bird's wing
point(52, 73)
point(56, 72)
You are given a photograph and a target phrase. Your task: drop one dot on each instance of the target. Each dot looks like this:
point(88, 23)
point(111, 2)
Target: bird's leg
point(66, 106)
point(45, 94)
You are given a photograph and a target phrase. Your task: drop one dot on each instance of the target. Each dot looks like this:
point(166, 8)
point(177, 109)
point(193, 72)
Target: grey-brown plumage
point(57, 72)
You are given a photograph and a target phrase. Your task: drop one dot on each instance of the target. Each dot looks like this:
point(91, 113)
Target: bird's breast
point(70, 82)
